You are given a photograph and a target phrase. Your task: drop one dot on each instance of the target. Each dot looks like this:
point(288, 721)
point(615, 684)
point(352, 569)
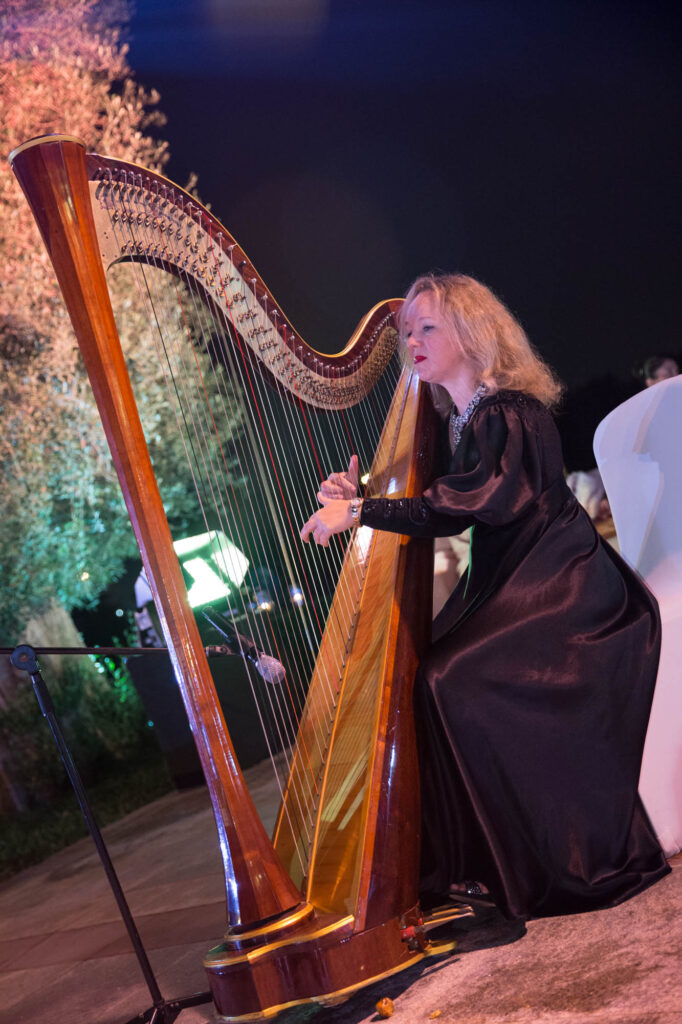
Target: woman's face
point(438, 358)
point(668, 368)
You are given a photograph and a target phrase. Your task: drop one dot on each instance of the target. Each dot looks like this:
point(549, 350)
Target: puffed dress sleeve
point(495, 475)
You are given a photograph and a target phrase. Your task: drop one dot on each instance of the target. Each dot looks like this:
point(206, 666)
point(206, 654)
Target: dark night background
point(351, 145)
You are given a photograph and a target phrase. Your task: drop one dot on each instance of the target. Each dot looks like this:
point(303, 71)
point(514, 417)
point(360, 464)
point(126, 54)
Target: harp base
point(325, 964)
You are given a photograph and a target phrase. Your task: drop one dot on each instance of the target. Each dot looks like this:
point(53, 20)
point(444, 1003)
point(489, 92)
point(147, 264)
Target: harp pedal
point(415, 931)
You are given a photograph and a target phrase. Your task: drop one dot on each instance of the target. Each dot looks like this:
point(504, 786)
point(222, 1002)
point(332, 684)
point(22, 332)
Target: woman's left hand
point(334, 517)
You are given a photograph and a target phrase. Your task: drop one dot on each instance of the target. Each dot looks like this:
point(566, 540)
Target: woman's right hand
point(342, 485)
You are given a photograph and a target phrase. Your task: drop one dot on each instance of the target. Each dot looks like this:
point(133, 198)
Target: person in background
point(531, 704)
point(587, 485)
point(657, 368)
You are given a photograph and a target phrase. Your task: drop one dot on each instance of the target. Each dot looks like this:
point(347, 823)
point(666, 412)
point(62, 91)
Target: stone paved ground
point(65, 957)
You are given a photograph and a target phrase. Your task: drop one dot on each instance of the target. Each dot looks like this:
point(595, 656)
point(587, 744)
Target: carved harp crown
point(330, 902)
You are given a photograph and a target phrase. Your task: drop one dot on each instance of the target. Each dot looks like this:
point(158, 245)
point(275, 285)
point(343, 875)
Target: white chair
point(638, 448)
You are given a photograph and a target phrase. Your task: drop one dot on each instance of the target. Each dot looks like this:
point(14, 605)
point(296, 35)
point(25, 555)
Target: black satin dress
point(532, 703)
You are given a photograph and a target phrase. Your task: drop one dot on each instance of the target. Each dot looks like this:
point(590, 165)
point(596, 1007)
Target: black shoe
point(471, 892)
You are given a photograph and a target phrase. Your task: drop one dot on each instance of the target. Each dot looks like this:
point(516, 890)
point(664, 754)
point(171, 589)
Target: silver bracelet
point(354, 506)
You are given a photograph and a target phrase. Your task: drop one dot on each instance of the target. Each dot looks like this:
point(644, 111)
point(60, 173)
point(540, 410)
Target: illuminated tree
point(64, 533)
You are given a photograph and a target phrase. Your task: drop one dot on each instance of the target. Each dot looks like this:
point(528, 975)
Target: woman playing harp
point(532, 702)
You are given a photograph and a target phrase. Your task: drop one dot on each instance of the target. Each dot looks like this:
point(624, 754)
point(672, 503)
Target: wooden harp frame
point(355, 917)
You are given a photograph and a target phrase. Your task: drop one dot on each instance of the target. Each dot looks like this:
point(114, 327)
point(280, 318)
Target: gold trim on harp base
point(341, 995)
point(313, 968)
point(296, 916)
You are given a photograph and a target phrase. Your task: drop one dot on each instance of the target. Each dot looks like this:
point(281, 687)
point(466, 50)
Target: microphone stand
point(24, 658)
point(123, 652)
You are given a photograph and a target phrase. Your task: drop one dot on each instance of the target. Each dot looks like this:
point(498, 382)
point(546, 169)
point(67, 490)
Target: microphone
point(269, 668)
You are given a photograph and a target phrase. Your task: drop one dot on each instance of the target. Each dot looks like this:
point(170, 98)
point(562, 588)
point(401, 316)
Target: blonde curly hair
point(488, 335)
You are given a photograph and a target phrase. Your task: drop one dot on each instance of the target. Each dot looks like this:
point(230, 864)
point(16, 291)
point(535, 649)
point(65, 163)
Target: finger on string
point(354, 470)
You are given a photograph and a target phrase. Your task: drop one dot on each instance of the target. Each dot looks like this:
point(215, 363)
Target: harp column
point(52, 173)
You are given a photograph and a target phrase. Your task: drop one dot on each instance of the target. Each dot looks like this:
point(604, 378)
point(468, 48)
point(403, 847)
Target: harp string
point(177, 372)
point(258, 390)
point(280, 708)
point(222, 507)
point(255, 384)
point(172, 378)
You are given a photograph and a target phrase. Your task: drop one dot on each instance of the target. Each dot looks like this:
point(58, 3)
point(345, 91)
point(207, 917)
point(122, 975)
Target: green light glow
point(217, 564)
point(207, 585)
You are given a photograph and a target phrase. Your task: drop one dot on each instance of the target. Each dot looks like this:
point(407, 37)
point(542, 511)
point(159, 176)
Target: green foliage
point(64, 531)
point(100, 714)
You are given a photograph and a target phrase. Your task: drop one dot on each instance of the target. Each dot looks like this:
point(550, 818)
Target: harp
point(329, 902)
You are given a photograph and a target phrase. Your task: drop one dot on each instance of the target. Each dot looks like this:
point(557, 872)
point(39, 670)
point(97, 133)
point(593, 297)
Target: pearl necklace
point(458, 423)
